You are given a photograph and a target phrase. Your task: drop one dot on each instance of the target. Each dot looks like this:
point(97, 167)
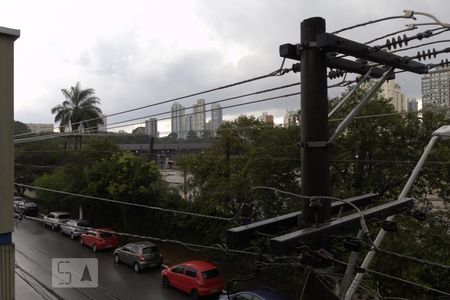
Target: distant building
point(290, 119)
point(392, 91)
point(139, 130)
point(266, 118)
point(413, 105)
point(39, 127)
point(199, 117)
point(216, 117)
point(436, 88)
point(122, 131)
point(178, 118)
point(151, 127)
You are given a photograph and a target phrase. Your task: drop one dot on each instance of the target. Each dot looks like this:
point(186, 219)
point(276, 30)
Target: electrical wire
point(404, 16)
point(359, 269)
point(280, 71)
point(218, 218)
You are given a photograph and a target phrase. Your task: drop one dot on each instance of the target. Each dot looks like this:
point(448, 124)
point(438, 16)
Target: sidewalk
point(29, 289)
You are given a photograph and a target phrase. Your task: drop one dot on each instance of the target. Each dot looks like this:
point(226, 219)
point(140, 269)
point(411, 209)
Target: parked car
point(17, 201)
point(100, 238)
point(197, 278)
point(140, 255)
point(259, 293)
point(56, 218)
point(28, 209)
point(74, 228)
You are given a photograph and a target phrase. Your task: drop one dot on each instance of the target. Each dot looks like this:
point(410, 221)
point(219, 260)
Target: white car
point(74, 228)
point(56, 218)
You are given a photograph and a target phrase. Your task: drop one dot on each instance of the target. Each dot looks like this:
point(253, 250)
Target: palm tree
point(79, 109)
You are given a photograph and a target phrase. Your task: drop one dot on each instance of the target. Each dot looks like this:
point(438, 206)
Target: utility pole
point(314, 122)
point(7, 38)
point(314, 137)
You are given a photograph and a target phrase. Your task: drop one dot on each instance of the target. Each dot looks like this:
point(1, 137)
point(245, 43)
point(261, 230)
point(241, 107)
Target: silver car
point(140, 255)
point(56, 218)
point(74, 228)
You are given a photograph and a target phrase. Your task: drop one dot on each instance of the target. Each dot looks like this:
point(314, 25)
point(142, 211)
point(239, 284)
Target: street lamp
point(442, 133)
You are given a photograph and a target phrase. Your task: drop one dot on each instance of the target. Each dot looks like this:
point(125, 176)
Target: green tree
point(20, 128)
point(79, 109)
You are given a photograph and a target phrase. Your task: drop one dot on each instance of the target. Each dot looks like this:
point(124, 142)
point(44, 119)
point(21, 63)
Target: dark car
point(140, 255)
point(74, 228)
point(260, 293)
point(28, 209)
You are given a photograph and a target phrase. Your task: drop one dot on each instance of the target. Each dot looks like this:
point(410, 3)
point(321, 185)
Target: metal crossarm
point(347, 223)
point(239, 237)
point(332, 43)
point(291, 51)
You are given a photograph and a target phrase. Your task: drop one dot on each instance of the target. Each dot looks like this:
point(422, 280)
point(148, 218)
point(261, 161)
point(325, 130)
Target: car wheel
point(165, 282)
point(136, 267)
point(194, 294)
point(72, 236)
point(94, 248)
point(81, 242)
point(116, 259)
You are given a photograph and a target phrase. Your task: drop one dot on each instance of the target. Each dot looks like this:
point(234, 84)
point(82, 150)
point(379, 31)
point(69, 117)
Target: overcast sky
point(135, 53)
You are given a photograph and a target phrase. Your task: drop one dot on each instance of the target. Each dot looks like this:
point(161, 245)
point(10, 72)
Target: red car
point(100, 238)
point(198, 278)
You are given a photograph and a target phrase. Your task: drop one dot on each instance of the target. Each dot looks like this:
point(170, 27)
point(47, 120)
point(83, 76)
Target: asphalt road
point(36, 246)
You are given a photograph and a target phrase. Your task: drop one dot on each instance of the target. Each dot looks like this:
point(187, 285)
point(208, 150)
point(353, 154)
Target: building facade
point(178, 118)
point(435, 88)
point(216, 117)
point(413, 105)
point(266, 118)
point(199, 117)
point(290, 119)
point(392, 91)
point(39, 127)
point(151, 127)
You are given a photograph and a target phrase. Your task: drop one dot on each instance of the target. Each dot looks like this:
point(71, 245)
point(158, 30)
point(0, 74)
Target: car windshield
point(150, 250)
point(64, 216)
point(211, 274)
point(30, 204)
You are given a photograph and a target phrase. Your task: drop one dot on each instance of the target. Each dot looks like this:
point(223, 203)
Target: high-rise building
point(436, 87)
point(178, 118)
point(413, 105)
point(266, 118)
point(151, 127)
point(392, 91)
point(290, 119)
point(216, 117)
point(199, 116)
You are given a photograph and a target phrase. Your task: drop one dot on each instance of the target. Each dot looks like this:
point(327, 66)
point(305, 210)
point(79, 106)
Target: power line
point(404, 16)
point(359, 270)
point(279, 72)
point(134, 204)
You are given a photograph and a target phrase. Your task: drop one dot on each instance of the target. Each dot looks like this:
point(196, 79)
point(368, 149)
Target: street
point(37, 245)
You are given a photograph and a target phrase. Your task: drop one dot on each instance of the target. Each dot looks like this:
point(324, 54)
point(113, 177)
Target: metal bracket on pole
point(316, 144)
point(360, 105)
point(354, 89)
